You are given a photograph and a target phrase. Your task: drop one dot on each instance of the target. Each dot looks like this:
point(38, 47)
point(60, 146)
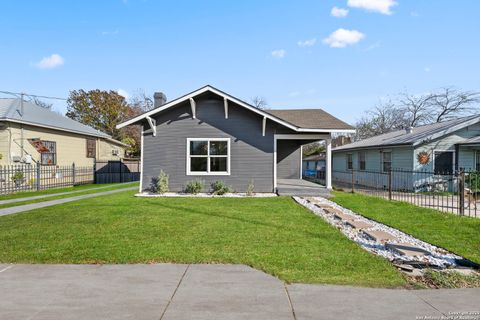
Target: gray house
point(439, 149)
point(211, 135)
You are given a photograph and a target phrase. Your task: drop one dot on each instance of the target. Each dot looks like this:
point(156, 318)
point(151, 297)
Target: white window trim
point(215, 173)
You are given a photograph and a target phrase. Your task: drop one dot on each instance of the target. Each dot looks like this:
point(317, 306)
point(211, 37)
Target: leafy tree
point(313, 148)
point(100, 109)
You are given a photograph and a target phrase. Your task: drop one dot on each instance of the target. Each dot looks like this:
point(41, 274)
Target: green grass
point(79, 192)
point(271, 234)
point(23, 194)
point(460, 235)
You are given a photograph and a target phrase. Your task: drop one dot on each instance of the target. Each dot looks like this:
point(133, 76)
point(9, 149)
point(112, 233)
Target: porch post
point(328, 163)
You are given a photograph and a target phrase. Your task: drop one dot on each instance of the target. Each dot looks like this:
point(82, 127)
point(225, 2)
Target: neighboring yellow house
point(32, 134)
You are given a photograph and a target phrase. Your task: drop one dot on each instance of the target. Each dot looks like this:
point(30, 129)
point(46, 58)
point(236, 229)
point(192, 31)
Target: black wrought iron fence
point(456, 192)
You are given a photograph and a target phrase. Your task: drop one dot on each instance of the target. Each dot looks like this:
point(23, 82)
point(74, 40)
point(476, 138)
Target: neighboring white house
point(439, 148)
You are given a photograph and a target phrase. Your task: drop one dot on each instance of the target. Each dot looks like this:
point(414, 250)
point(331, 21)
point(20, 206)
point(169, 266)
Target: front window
point(350, 161)
point(49, 155)
point(477, 161)
point(208, 156)
point(443, 162)
point(361, 160)
point(386, 161)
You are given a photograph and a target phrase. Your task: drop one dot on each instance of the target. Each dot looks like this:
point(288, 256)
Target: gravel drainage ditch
point(409, 254)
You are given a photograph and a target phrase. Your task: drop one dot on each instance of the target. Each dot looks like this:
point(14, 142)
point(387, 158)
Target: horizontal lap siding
point(251, 153)
point(288, 159)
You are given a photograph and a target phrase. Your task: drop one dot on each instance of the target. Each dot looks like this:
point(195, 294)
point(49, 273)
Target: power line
point(31, 95)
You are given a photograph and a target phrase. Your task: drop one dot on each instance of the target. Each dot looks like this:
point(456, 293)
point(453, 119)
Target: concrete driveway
point(173, 291)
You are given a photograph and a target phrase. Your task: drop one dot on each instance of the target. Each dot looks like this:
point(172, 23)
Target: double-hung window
point(349, 161)
point(208, 156)
point(362, 160)
point(386, 161)
point(49, 155)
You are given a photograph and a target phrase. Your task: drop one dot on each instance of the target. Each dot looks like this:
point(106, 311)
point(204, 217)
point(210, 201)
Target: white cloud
point(380, 6)
point(279, 54)
point(123, 93)
point(307, 43)
point(414, 14)
point(343, 37)
point(53, 61)
point(339, 12)
point(427, 69)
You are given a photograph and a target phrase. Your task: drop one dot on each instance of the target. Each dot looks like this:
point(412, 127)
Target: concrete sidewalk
point(174, 291)
point(38, 205)
point(44, 196)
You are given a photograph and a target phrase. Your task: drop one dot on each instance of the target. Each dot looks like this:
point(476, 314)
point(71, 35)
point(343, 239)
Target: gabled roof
point(310, 118)
point(10, 110)
point(294, 123)
point(419, 135)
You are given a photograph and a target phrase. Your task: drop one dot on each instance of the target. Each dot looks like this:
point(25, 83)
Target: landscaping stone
point(328, 210)
point(358, 224)
point(406, 249)
point(379, 235)
point(342, 216)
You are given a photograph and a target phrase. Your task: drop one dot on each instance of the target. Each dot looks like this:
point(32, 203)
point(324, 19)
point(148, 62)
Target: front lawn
point(271, 234)
point(78, 192)
point(460, 235)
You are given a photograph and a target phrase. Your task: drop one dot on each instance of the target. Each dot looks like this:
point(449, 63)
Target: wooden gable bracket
point(193, 105)
point(225, 106)
point(264, 125)
point(153, 125)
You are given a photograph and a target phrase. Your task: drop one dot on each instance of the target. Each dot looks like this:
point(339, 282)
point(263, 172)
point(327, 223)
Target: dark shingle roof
point(417, 136)
point(310, 118)
point(315, 157)
point(36, 115)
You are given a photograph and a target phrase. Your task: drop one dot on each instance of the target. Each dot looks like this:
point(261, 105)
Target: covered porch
point(288, 170)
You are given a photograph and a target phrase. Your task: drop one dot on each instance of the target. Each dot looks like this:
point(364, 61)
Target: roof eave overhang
point(34, 124)
point(447, 131)
point(230, 98)
point(374, 147)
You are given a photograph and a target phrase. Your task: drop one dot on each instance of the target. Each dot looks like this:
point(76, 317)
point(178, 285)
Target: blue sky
point(286, 51)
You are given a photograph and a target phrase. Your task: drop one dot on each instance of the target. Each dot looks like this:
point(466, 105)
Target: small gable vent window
point(208, 156)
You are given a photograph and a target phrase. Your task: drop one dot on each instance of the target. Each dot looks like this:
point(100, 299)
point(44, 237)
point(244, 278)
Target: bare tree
point(141, 101)
point(42, 103)
point(416, 108)
point(259, 102)
point(449, 103)
point(384, 117)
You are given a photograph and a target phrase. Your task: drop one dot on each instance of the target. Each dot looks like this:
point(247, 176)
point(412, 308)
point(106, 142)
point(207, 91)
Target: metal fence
point(32, 177)
point(449, 192)
point(15, 178)
point(317, 176)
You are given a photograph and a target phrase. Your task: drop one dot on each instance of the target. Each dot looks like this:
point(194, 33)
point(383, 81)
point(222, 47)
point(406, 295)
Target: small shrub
point(219, 187)
point(163, 182)
point(154, 184)
point(250, 189)
point(18, 176)
point(194, 186)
